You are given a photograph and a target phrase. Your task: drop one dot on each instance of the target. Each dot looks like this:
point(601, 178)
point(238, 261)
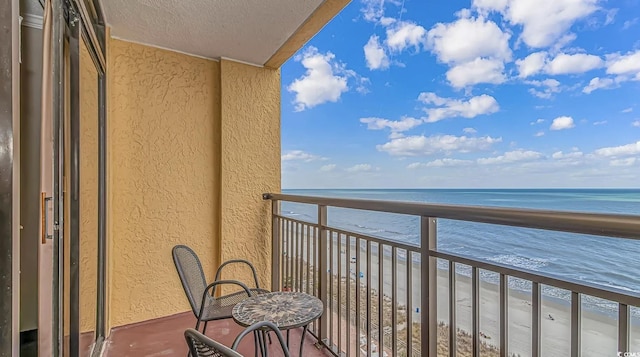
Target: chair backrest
point(191, 275)
point(201, 345)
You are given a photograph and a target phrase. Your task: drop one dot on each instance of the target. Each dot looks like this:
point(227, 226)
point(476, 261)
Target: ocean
point(608, 262)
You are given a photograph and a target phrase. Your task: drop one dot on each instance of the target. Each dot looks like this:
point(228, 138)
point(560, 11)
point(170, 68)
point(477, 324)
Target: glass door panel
point(88, 186)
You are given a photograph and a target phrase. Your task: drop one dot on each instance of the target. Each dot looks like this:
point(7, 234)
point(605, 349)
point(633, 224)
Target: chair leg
point(263, 344)
point(204, 330)
point(255, 340)
point(304, 331)
point(198, 325)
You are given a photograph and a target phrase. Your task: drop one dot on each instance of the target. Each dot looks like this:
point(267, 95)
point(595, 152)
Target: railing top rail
point(611, 225)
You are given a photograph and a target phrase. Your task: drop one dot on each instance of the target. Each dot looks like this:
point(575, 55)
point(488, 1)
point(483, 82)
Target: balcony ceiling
point(244, 30)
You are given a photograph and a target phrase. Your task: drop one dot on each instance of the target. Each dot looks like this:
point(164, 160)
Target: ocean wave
point(520, 261)
point(380, 230)
point(298, 214)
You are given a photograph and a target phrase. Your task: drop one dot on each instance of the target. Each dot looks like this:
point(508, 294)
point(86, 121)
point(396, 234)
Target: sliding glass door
point(77, 181)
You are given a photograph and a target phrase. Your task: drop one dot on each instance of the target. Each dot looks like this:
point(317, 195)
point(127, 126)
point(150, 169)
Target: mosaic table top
point(285, 309)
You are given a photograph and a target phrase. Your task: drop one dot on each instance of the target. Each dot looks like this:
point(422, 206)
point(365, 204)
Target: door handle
point(44, 203)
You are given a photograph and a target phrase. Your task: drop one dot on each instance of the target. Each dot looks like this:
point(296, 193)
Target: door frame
point(10, 180)
point(73, 22)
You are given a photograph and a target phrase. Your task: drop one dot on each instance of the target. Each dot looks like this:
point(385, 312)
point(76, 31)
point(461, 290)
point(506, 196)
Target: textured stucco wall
point(88, 190)
point(163, 108)
point(192, 146)
point(250, 164)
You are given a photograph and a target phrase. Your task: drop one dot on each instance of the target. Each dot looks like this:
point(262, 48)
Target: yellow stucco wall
point(250, 164)
point(192, 145)
point(163, 108)
point(88, 190)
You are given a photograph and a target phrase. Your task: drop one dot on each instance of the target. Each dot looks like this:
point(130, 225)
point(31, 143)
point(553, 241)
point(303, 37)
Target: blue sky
point(472, 94)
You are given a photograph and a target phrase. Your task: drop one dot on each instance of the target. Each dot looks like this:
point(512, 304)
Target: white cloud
point(324, 81)
point(549, 87)
point(386, 21)
point(328, 168)
point(539, 134)
point(572, 158)
point(432, 98)
point(405, 34)
point(375, 54)
point(372, 10)
point(617, 151)
point(467, 39)
point(511, 157)
point(532, 64)
point(598, 83)
point(469, 131)
point(636, 124)
point(446, 162)
point(611, 16)
point(539, 121)
point(463, 13)
point(627, 110)
point(629, 23)
point(490, 5)
point(543, 21)
point(571, 64)
point(480, 70)
point(623, 162)
point(602, 122)
point(403, 124)
point(563, 41)
point(474, 48)
point(359, 168)
point(624, 65)
point(561, 123)
point(450, 108)
point(422, 145)
point(563, 63)
point(299, 155)
point(559, 155)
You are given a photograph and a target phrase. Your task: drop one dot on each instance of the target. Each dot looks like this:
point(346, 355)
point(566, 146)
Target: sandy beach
point(599, 331)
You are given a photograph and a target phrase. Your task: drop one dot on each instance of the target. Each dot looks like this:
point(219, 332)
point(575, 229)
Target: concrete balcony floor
point(165, 337)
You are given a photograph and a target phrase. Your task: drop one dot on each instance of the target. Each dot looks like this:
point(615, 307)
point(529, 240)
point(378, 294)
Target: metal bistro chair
point(204, 304)
point(201, 345)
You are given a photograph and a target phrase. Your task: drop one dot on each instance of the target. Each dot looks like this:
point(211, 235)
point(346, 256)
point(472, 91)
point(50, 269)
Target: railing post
point(576, 323)
point(276, 249)
point(623, 328)
point(322, 281)
point(429, 293)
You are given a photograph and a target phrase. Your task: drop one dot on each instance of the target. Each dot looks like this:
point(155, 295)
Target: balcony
point(468, 305)
point(165, 337)
point(452, 295)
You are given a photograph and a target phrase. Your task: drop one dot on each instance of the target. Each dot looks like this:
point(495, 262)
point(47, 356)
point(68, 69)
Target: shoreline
point(401, 268)
point(599, 329)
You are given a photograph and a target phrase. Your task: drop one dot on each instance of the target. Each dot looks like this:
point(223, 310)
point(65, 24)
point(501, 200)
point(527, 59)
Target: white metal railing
point(352, 274)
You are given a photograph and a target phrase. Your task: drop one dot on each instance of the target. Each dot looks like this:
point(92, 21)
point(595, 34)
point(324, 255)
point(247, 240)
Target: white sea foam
point(520, 261)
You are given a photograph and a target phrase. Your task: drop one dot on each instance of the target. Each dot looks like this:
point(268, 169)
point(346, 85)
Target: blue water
point(608, 262)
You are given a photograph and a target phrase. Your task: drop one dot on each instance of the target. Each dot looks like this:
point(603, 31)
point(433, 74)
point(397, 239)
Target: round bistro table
point(287, 310)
